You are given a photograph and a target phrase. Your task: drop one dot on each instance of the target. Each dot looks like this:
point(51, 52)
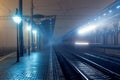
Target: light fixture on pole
point(17, 19)
point(34, 31)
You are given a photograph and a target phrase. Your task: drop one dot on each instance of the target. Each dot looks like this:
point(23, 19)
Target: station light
point(87, 29)
point(90, 28)
point(29, 28)
point(118, 7)
point(81, 43)
point(104, 14)
point(95, 19)
point(34, 31)
point(17, 19)
point(110, 11)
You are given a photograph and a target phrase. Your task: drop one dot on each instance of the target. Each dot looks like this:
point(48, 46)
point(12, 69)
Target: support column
point(115, 33)
point(95, 36)
point(21, 29)
point(32, 38)
point(104, 37)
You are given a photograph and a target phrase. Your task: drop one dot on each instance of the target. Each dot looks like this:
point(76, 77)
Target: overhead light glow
point(110, 11)
point(87, 29)
point(95, 19)
point(17, 19)
point(118, 7)
point(34, 31)
point(29, 28)
point(81, 43)
point(104, 14)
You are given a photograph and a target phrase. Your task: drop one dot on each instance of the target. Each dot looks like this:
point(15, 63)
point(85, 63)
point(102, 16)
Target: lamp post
point(17, 19)
point(29, 32)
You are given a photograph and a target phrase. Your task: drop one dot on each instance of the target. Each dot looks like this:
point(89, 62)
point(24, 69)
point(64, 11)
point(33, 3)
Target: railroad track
point(108, 64)
point(86, 67)
point(67, 69)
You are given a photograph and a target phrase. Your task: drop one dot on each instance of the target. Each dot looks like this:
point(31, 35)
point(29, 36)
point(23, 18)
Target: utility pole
point(18, 51)
point(21, 29)
point(32, 41)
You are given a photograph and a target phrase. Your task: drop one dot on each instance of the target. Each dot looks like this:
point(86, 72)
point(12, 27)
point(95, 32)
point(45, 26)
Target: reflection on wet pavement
point(32, 67)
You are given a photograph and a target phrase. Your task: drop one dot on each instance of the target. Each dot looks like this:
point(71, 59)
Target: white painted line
point(6, 56)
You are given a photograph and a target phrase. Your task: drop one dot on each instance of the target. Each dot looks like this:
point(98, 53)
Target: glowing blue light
point(88, 22)
point(95, 19)
point(87, 29)
point(104, 14)
point(110, 11)
point(29, 28)
point(17, 19)
point(118, 7)
point(34, 31)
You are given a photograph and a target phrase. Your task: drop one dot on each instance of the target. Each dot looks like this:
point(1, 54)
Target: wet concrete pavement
point(33, 67)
